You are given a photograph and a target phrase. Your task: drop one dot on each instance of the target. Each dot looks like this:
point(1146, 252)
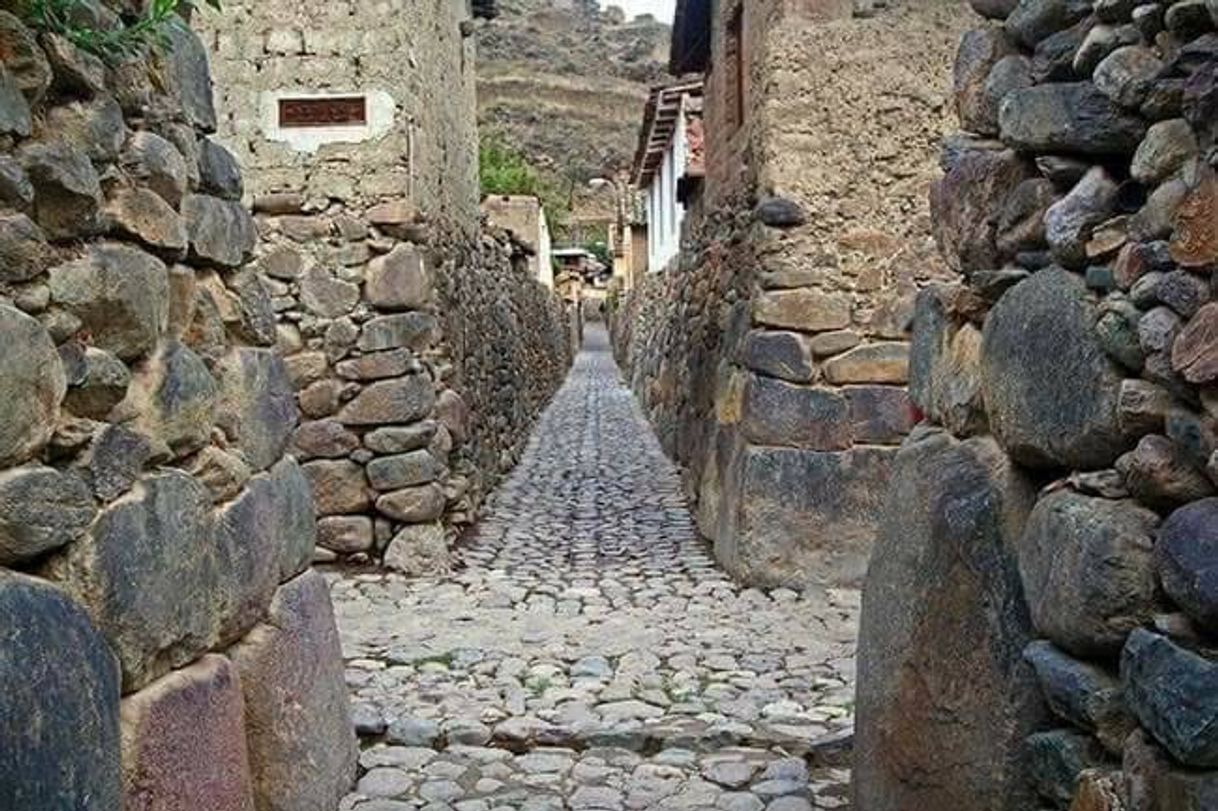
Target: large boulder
point(781, 413)
point(219, 172)
point(1174, 693)
point(325, 295)
point(174, 396)
point(24, 252)
point(1082, 694)
point(1069, 222)
point(1160, 474)
point(1074, 117)
point(1050, 389)
point(301, 741)
point(184, 742)
point(1087, 570)
point(158, 164)
point(785, 355)
point(221, 232)
point(1187, 555)
point(404, 470)
point(68, 195)
point(945, 365)
point(23, 58)
point(1034, 20)
point(119, 293)
point(945, 699)
point(100, 383)
point(979, 177)
point(804, 516)
point(148, 573)
point(59, 714)
point(143, 214)
point(339, 486)
point(415, 330)
point(399, 280)
point(34, 386)
point(805, 309)
point(1057, 759)
point(880, 362)
point(264, 537)
point(979, 51)
point(41, 509)
point(391, 402)
point(257, 406)
point(191, 76)
point(419, 550)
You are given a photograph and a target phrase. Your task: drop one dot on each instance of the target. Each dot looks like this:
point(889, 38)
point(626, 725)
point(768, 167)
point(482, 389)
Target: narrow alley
point(589, 654)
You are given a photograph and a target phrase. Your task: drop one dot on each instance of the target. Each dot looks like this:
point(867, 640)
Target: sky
point(662, 9)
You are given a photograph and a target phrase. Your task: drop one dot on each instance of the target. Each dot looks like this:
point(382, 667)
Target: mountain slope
point(565, 83)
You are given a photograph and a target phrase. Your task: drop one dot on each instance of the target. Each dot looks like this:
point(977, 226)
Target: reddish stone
point(979, 178)
point(184, 742)
point(302, 747)
point(1130, 265)
point(1195, 352)
point(1195, 240)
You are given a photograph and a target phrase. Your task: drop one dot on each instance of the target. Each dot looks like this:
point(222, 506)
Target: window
point(734, 73)
point(323, 111)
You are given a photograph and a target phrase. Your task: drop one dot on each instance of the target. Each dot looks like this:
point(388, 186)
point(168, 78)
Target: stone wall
point(164, 643)
point(421, 363)
point(398, 313)
point(412, 58)
point(1039, 615)
point(774, 359)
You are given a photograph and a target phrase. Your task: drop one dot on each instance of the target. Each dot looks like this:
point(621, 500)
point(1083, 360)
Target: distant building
point(592, 272)
point(525, 217)
point(668, 166)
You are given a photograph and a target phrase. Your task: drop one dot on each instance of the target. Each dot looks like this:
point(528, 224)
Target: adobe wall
point(399, 314)
point(801, 271)
point(164, 642)
point(1041, 606)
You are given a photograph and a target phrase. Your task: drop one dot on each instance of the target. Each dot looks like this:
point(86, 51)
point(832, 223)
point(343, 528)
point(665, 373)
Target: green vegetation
point(77, 21)
point(600, 250)
point(504, 170)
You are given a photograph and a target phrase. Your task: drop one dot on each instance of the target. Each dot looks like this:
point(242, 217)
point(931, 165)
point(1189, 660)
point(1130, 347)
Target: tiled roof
point(659, 122)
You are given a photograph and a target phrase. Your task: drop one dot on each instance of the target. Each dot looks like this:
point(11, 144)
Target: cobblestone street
point(589, 654)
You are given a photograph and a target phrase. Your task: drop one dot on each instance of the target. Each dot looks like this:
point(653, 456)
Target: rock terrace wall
point(774, 359)
point(1060, 510)
point(155, 539)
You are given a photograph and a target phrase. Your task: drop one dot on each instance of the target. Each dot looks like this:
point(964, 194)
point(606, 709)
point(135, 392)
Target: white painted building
point(667, 165)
